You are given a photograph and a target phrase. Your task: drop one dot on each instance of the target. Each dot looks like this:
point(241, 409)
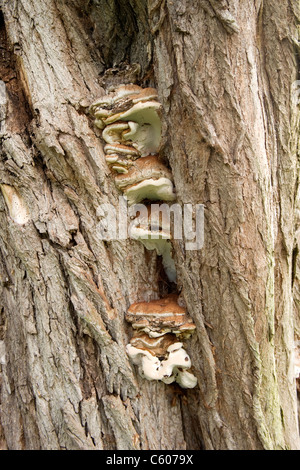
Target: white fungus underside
point(160, 189)
point(169, 370)
point(144, 137)
point(161, 245)
point(145, 126)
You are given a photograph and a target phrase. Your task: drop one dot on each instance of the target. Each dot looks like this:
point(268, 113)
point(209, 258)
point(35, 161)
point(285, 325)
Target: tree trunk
point(225, 78)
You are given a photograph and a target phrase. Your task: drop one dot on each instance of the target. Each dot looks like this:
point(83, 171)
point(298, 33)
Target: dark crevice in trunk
point(18, 111)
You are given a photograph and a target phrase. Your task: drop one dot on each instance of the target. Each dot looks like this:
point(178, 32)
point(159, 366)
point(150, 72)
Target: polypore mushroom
point(17, 208)
point(155, 236)
point(125, 96)
point(123, 102)
point(147, 178)
point(144, 137)
point(114, 132)
point(118, 163)
point(143, 94)
point(159, 317)
point(168, 370)
point(119, 157)
point(186, 379)
point(148, 364)
point(129, 117)
point(149, 167)
point(145, 134)
point(156, 346)
point(112, 149)
point(119, 168)
point(155, 190)
point(126, 101)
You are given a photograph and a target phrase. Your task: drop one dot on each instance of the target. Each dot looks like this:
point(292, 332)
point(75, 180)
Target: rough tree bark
point(224, 74)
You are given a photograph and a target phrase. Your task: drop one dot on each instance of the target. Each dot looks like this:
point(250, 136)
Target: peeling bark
point(230, 135)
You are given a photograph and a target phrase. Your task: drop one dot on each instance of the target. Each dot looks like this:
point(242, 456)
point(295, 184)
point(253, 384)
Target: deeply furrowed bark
point(225, 80)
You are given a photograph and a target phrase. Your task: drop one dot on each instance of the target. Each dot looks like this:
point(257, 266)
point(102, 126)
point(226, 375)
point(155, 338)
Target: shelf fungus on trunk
point(129, 117)
point(156, 346)
point(155, 234)
point(147, 178)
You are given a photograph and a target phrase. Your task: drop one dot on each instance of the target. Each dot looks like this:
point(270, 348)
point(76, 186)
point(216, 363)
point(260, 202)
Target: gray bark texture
point(224, 72)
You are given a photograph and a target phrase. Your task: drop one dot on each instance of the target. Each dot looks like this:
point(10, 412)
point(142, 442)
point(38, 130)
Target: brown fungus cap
point(121, 99)
point(156, 346)
point(142, 169)
point(147, 178)
point(160, 317)
point(120, 149)
point(130, 114)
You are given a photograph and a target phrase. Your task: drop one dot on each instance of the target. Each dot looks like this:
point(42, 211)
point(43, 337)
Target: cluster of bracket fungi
point(129, 117)
point(156, 347)
point(131, 127)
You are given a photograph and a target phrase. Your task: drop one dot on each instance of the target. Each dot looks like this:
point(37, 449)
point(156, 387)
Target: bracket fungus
point(160, 189)
point(154, 235)
point(172, 369)
point(156, 347)
point(129, 117)
point(113, 134)
point(147, 178)
point(120, 157)
point(161, 316)
point(144, 126)
point(130, 114)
